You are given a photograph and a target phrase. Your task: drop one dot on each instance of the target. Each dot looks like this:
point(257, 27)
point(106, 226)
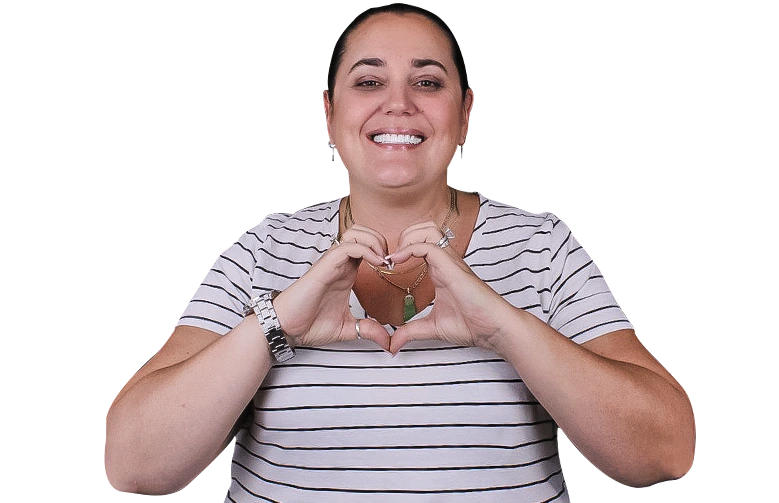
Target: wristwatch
point(262, 306)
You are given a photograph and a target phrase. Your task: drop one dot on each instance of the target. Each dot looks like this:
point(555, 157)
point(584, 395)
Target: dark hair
point(400, 9)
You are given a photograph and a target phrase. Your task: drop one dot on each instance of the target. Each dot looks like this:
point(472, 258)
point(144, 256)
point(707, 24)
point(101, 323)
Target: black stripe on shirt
point(395, 469)
point(189, 316)
point(247, 250)
point(587, 313)
point(399, 491)
point(409, 447)
point(235, 479)
point(486, 264)
point(304, 231)
point(574, 301)
point(502, 245)
point(562, 245)
point(304, 262)
point(390, 385)
point(237, 287)
point(236, 264)
point(274, 273)
point(323, 349)
point(503, 215)
point(376, 367)
point(405, 426)
point(393, 405)
point(203, 301)
point(574, 273)
point(241, 302)
point(295, 245)
point(593, 327)
point(515, 272)
point(503, 229)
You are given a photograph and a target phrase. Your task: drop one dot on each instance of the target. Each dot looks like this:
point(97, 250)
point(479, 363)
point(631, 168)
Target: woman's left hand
point(466, 312)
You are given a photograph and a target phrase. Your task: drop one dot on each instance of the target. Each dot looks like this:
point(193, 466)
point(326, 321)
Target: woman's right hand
point(314, 310)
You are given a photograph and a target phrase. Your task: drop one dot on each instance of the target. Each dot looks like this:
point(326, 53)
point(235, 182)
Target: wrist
point(263, 309)
point(510, 323)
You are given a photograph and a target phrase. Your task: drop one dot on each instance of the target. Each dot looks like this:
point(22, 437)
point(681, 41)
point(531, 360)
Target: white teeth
point(400, 139)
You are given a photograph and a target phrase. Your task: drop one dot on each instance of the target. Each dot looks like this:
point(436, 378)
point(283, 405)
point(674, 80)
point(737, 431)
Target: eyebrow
point(416, 63)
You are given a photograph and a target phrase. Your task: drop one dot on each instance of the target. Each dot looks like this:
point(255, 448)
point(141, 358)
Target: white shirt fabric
point(348, 422)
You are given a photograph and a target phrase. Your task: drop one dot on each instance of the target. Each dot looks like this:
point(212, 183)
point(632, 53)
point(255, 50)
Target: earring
point(461, 152)
point(332, 150)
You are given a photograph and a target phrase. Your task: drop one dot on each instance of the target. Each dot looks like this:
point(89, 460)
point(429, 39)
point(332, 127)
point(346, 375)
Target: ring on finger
point(357, 328)
point(444, 241)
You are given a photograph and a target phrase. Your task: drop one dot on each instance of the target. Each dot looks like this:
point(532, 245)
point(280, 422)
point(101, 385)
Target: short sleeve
point(218, 303)
point(581, 306)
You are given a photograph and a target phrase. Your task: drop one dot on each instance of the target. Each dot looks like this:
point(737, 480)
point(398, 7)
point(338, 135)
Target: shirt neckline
point(354, 303)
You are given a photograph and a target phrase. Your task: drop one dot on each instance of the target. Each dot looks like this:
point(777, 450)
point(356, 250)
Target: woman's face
point(397, 115)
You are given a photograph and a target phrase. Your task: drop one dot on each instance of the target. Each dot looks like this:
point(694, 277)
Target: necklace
point(409, 302)
point(444, 226)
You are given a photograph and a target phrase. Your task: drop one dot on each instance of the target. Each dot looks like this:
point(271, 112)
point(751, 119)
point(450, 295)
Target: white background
point(140, 139)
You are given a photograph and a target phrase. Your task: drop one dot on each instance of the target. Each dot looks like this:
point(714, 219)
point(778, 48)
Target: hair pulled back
point(400, 9)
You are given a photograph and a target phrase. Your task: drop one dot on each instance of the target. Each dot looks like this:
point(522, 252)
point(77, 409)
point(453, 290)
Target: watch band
point(262, 306)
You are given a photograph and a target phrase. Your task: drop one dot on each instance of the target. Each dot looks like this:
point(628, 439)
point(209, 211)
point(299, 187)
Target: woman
point(426, 342)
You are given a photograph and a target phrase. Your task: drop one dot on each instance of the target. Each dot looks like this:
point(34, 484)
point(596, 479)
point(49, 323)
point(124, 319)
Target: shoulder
point(317, 221)
point(497, 218)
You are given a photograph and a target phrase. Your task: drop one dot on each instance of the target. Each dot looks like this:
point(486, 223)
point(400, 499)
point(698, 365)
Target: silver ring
point(335, 241)
point(357, 328)
point(443, 242)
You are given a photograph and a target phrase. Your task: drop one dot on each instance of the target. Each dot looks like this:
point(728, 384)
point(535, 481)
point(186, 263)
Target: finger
point(417, 330)
point(425, 232)
point(428, 234)
point(347, 252)
point(366, 236)
point(424, 250)
point(371, 330)
point(362, 228)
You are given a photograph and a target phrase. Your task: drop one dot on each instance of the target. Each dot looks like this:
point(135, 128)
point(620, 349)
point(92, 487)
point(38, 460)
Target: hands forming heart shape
point(314, 311)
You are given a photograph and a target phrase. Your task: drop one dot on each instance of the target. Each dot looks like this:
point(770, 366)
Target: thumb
point(417, 330)
point(372, 330)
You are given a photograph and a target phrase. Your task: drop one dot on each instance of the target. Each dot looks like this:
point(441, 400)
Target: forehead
point(404, 36)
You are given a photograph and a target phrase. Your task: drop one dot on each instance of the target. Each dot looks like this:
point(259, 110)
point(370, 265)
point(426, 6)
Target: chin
point(398, 178)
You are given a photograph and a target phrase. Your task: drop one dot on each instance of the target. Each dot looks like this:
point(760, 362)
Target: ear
point(466, 114)
point(328, 112)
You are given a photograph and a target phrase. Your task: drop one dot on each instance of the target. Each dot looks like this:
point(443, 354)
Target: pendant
point(409, 309)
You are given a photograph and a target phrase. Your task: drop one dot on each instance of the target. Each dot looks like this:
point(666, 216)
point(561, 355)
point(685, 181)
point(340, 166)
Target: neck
point(390, 212)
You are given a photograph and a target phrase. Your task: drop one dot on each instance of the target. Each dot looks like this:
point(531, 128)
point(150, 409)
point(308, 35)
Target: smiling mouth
point(397, 139)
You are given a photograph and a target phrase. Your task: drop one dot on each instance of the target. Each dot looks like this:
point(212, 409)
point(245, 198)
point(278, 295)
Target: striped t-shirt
point(348, 422)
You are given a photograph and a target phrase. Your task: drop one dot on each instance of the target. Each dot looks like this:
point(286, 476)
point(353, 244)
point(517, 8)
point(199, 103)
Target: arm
point(614, 401)
point(178, 412)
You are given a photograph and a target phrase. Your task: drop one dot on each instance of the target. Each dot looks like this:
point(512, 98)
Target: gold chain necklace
point(409, 302)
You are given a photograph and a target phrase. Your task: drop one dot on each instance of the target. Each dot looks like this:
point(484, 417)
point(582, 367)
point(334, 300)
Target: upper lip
point(408, 131)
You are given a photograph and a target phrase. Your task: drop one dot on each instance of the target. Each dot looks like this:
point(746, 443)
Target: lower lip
point(397, 146)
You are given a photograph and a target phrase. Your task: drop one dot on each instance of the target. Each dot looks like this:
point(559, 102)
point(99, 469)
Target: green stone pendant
point(409, 309)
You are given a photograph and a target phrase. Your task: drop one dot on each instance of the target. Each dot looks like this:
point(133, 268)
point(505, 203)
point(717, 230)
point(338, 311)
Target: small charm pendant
point(409, 309)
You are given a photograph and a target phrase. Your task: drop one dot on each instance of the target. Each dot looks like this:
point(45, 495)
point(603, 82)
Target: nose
point(399, 101)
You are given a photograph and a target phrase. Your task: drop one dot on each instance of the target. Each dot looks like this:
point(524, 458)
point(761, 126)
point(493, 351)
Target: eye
point(428, 84)
point(368, 83)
